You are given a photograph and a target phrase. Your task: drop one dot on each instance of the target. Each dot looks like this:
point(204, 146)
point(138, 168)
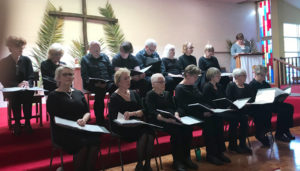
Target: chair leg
point(156, 163)
point(61, 160)
point(121, 160)
point(100, 157)
point(159, 155)
point(50, 166)
point(36, 112)
point(41, 113)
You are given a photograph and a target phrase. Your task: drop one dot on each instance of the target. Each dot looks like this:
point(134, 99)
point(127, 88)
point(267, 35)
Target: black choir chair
point(37, 100)
point(119, 138)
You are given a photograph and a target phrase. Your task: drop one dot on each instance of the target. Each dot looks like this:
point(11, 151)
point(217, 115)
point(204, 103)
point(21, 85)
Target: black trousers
point(181, 140)
point(214, 135)
point(99, 99)
point(17, 99)
point(171, 83)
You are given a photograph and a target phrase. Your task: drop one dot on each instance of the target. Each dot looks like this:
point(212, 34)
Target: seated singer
point(97, 65)
point(128, 103)
point(70, 104)
point(49, 66)
point(16, 71)
point(187, 93)
point(284, 111)
point(158, 98)
point(125, 59)
point(213, 90)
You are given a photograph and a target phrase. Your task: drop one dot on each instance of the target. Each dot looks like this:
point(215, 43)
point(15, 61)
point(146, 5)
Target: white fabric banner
point(247, 62)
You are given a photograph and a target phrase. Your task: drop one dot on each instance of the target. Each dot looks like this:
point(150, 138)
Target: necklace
point(69, 94)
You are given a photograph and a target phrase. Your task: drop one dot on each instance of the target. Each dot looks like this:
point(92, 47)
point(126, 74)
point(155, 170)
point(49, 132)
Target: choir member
point(68, 103)
point(97, 65)
point(48, 67)
point(125, 59)
point(187, 58)
point(284, 111)
point(187, 93)
point(238, 47)
point(172, 66)
point(129, 103)
point(180, 139)
point(239, 90)
point(148, 56)
point(16, 71)
point(213, 90)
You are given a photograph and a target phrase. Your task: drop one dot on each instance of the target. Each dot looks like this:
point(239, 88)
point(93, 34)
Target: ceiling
point(294, 3)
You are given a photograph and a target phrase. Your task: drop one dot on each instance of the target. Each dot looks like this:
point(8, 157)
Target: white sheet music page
point(240, 103)
point(187, 120)
point(264, 96)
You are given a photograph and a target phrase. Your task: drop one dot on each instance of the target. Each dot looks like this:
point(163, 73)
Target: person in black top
point(125, 59)
point(187, 93)
point(187, 58)
point(239, 90)
point(97, 65)
point(213, 90)
point(68, 103)
point(49, 66)
point(158, 98)
point(128, 103)
point(172, 66)
point(284, 111)
point(16, 71)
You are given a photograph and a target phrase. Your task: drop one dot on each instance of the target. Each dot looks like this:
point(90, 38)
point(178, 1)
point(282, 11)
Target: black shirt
point(189, 94)
point(95, 68)
point(48, 72)
point(129, 63)
point(185, 60)
point(206, 63)
point(172, 66)
point(155, 101)
point(233, 92)
point(12, 73)
point(255, 86)
point(211, 93)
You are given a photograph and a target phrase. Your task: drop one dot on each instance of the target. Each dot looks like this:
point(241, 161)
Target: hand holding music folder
point(224, 103)
point(134, 72)
point(207, 109)
point(132, 122)
point(186, 120)
point(73, 125)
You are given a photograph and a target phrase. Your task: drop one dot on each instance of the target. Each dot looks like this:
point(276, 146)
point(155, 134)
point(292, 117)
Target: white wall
point(167, 21)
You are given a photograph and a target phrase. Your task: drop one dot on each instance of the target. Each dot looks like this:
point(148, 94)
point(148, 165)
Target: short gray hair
point(54, 49)
point(238, 72)
point(260, 70)
point(212, 72)
point(155, 77)
point(94, 42)
point(167, 49)
point(150, 42)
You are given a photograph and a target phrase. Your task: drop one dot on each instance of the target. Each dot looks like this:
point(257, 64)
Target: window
point(291, 34)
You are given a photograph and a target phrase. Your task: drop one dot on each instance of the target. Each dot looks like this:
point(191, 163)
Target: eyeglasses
point(67, 74)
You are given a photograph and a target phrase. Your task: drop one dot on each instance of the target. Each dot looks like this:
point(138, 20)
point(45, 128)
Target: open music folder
point(132, 122)
point(134, 72)
point(73, 125)
point(15, 89)
point(225, 103)
point(216, 111)
point(186, 120)
point(271, 95)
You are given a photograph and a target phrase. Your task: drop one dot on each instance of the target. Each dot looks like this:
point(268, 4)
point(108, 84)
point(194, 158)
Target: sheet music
point(87, 127)
point(187, 120)
point(226, 74)
point(264, 96)
point(121, 120)
point(145, 69)
point(288, 90)
point(14, 89)
point(209, 109)
point(240, 103)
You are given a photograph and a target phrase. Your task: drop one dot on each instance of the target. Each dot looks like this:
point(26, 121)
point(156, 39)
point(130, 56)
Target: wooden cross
point(84, 18)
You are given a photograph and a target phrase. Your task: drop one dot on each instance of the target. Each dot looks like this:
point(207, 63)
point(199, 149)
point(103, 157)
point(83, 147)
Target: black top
point(210, 93)
point(189, 94)
point(61, 105)
point(155, 101)
point(129, 63)
point(255, 86)
point(159, 67)
point(95, 68)
point(48, 72)
point(185, 60)
point(12, 73)
point(233, 92)
point(206, 63)
point(172, 66)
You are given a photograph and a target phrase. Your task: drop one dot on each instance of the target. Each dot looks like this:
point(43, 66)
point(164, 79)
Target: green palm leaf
point(77, 49)
point(51, 31)
point(113, 33)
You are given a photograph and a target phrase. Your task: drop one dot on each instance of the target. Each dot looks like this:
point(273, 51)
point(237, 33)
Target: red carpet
point(32, 151)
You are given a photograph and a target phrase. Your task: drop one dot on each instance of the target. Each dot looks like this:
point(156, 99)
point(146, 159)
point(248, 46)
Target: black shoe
point(189, 164)
point(246, 149)
point(214, 160)
point(224, 158)
point(139, 167)
point(235, 148)
point(264, 140)
point(178, 166)
point(291, 136)
point(282, 137)
point(147, 168)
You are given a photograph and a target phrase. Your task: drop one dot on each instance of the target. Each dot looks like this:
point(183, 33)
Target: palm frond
point(51, 31)
point(77, 49)
point(113, 33)
point(229, 44)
